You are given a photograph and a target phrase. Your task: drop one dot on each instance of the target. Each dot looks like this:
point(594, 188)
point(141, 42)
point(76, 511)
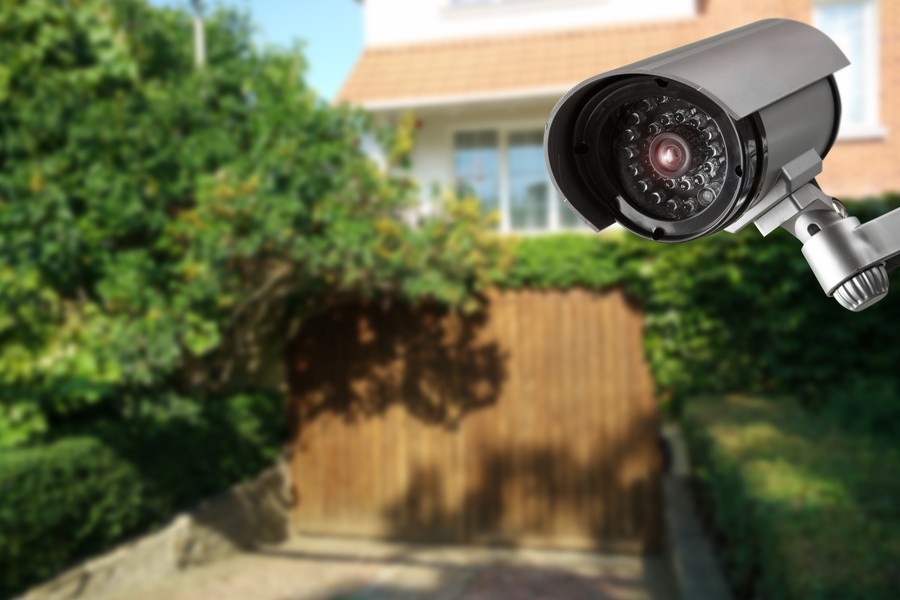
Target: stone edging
point(697, 572)
point(249, 514)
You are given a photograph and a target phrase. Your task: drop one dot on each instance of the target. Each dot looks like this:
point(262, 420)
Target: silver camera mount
point(850, 259)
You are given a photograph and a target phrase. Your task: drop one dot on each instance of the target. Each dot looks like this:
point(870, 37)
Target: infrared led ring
point(671, 163)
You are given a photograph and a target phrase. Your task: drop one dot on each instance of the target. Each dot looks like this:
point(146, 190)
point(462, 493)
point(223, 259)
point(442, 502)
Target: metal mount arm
point(850, 260)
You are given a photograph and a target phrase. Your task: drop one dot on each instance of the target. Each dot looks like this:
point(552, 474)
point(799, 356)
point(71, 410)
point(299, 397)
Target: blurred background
point(288, 282)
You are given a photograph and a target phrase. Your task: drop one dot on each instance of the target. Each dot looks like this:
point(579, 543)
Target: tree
point(162, 227)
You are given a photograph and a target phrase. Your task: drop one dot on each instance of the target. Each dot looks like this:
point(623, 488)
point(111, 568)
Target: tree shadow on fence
point(358, 360)
point(545, 495)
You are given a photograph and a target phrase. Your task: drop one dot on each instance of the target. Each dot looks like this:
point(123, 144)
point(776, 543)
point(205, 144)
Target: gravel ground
point(311, 568)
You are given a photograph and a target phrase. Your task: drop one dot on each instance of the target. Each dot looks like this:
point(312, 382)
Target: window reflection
point(477, 165)
point(528, 185)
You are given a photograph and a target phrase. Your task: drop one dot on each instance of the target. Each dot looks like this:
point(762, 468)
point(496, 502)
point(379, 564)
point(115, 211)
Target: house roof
point(412, 75)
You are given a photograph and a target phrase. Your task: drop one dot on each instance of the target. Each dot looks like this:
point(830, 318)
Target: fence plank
point(532, 423)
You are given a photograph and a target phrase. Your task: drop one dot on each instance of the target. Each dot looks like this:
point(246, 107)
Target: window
point(528, 185)
point(853, 25)
point(507, 173)
point(478, 167)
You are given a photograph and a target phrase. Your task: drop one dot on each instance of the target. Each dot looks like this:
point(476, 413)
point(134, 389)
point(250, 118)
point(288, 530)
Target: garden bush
point(80, 494)
point(164, 229)
point(803, 508)
point(72, 497)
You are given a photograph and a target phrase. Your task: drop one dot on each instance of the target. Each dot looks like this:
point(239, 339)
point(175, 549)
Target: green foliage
point(74, 495)
point(79, 495)
point(866, 405)
point(802, 502)
point(580, 260)
point(806, 510)
point(164, 229)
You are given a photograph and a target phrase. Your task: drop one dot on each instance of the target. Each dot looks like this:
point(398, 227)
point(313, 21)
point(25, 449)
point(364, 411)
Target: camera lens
point(670, 154)
point(669, 157)
point(660, 157)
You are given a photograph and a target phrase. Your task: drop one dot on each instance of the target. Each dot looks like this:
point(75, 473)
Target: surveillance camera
point(718, 134)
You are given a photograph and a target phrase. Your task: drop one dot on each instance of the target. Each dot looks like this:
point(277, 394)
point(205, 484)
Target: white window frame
point(872, 127)
point(503, 131)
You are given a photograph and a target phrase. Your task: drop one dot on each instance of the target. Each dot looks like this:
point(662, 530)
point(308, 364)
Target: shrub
point(804, 509)
point(70, 498)
point(866, 405)
point(79, 495)
point(163, 229)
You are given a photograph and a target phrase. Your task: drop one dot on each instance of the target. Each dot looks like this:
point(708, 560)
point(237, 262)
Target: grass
point(803, 508)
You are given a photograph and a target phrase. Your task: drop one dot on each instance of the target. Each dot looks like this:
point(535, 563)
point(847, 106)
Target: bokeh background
point(221, 251)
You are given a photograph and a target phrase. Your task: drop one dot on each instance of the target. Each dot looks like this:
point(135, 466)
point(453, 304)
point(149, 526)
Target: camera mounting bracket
point(779, 203)
point(849, 259)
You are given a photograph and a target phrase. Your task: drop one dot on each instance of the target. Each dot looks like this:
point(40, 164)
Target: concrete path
point(311, 568)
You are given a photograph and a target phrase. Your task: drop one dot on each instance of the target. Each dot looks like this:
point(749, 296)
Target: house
point(483, 75)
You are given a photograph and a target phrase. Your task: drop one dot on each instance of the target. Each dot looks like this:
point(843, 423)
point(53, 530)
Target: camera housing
point(705, 137)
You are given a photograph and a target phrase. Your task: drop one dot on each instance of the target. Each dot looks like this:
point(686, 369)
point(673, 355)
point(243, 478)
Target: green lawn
point(804, 508)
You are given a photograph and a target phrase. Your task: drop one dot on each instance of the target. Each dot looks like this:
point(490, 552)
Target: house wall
point(391, 22)
point(866, 165)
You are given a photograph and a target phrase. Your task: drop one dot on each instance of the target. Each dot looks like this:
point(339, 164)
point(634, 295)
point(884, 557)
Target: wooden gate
point(532, 423)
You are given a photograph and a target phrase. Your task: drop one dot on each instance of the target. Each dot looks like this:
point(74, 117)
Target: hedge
point(163, 232)
point(802, 508)
point(164, 228)
point(73, 497)
point(79, 495)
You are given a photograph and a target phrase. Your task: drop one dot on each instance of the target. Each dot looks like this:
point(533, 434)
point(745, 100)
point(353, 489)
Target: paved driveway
point(334, 569)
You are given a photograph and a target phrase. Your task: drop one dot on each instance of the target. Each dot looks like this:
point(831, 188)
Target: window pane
point(477, 165)
point(845, 23)
point(528, 184)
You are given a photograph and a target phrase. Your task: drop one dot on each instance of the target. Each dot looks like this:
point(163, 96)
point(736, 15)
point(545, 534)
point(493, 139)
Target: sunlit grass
point(807, 510)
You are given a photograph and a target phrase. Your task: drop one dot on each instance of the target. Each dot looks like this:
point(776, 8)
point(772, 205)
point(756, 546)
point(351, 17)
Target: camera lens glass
point(669, 155)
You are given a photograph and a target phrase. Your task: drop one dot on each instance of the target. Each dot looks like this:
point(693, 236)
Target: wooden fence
point(533, 423)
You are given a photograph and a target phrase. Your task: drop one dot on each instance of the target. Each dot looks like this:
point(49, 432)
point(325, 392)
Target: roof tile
point(490, 65)
point(555, 59)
